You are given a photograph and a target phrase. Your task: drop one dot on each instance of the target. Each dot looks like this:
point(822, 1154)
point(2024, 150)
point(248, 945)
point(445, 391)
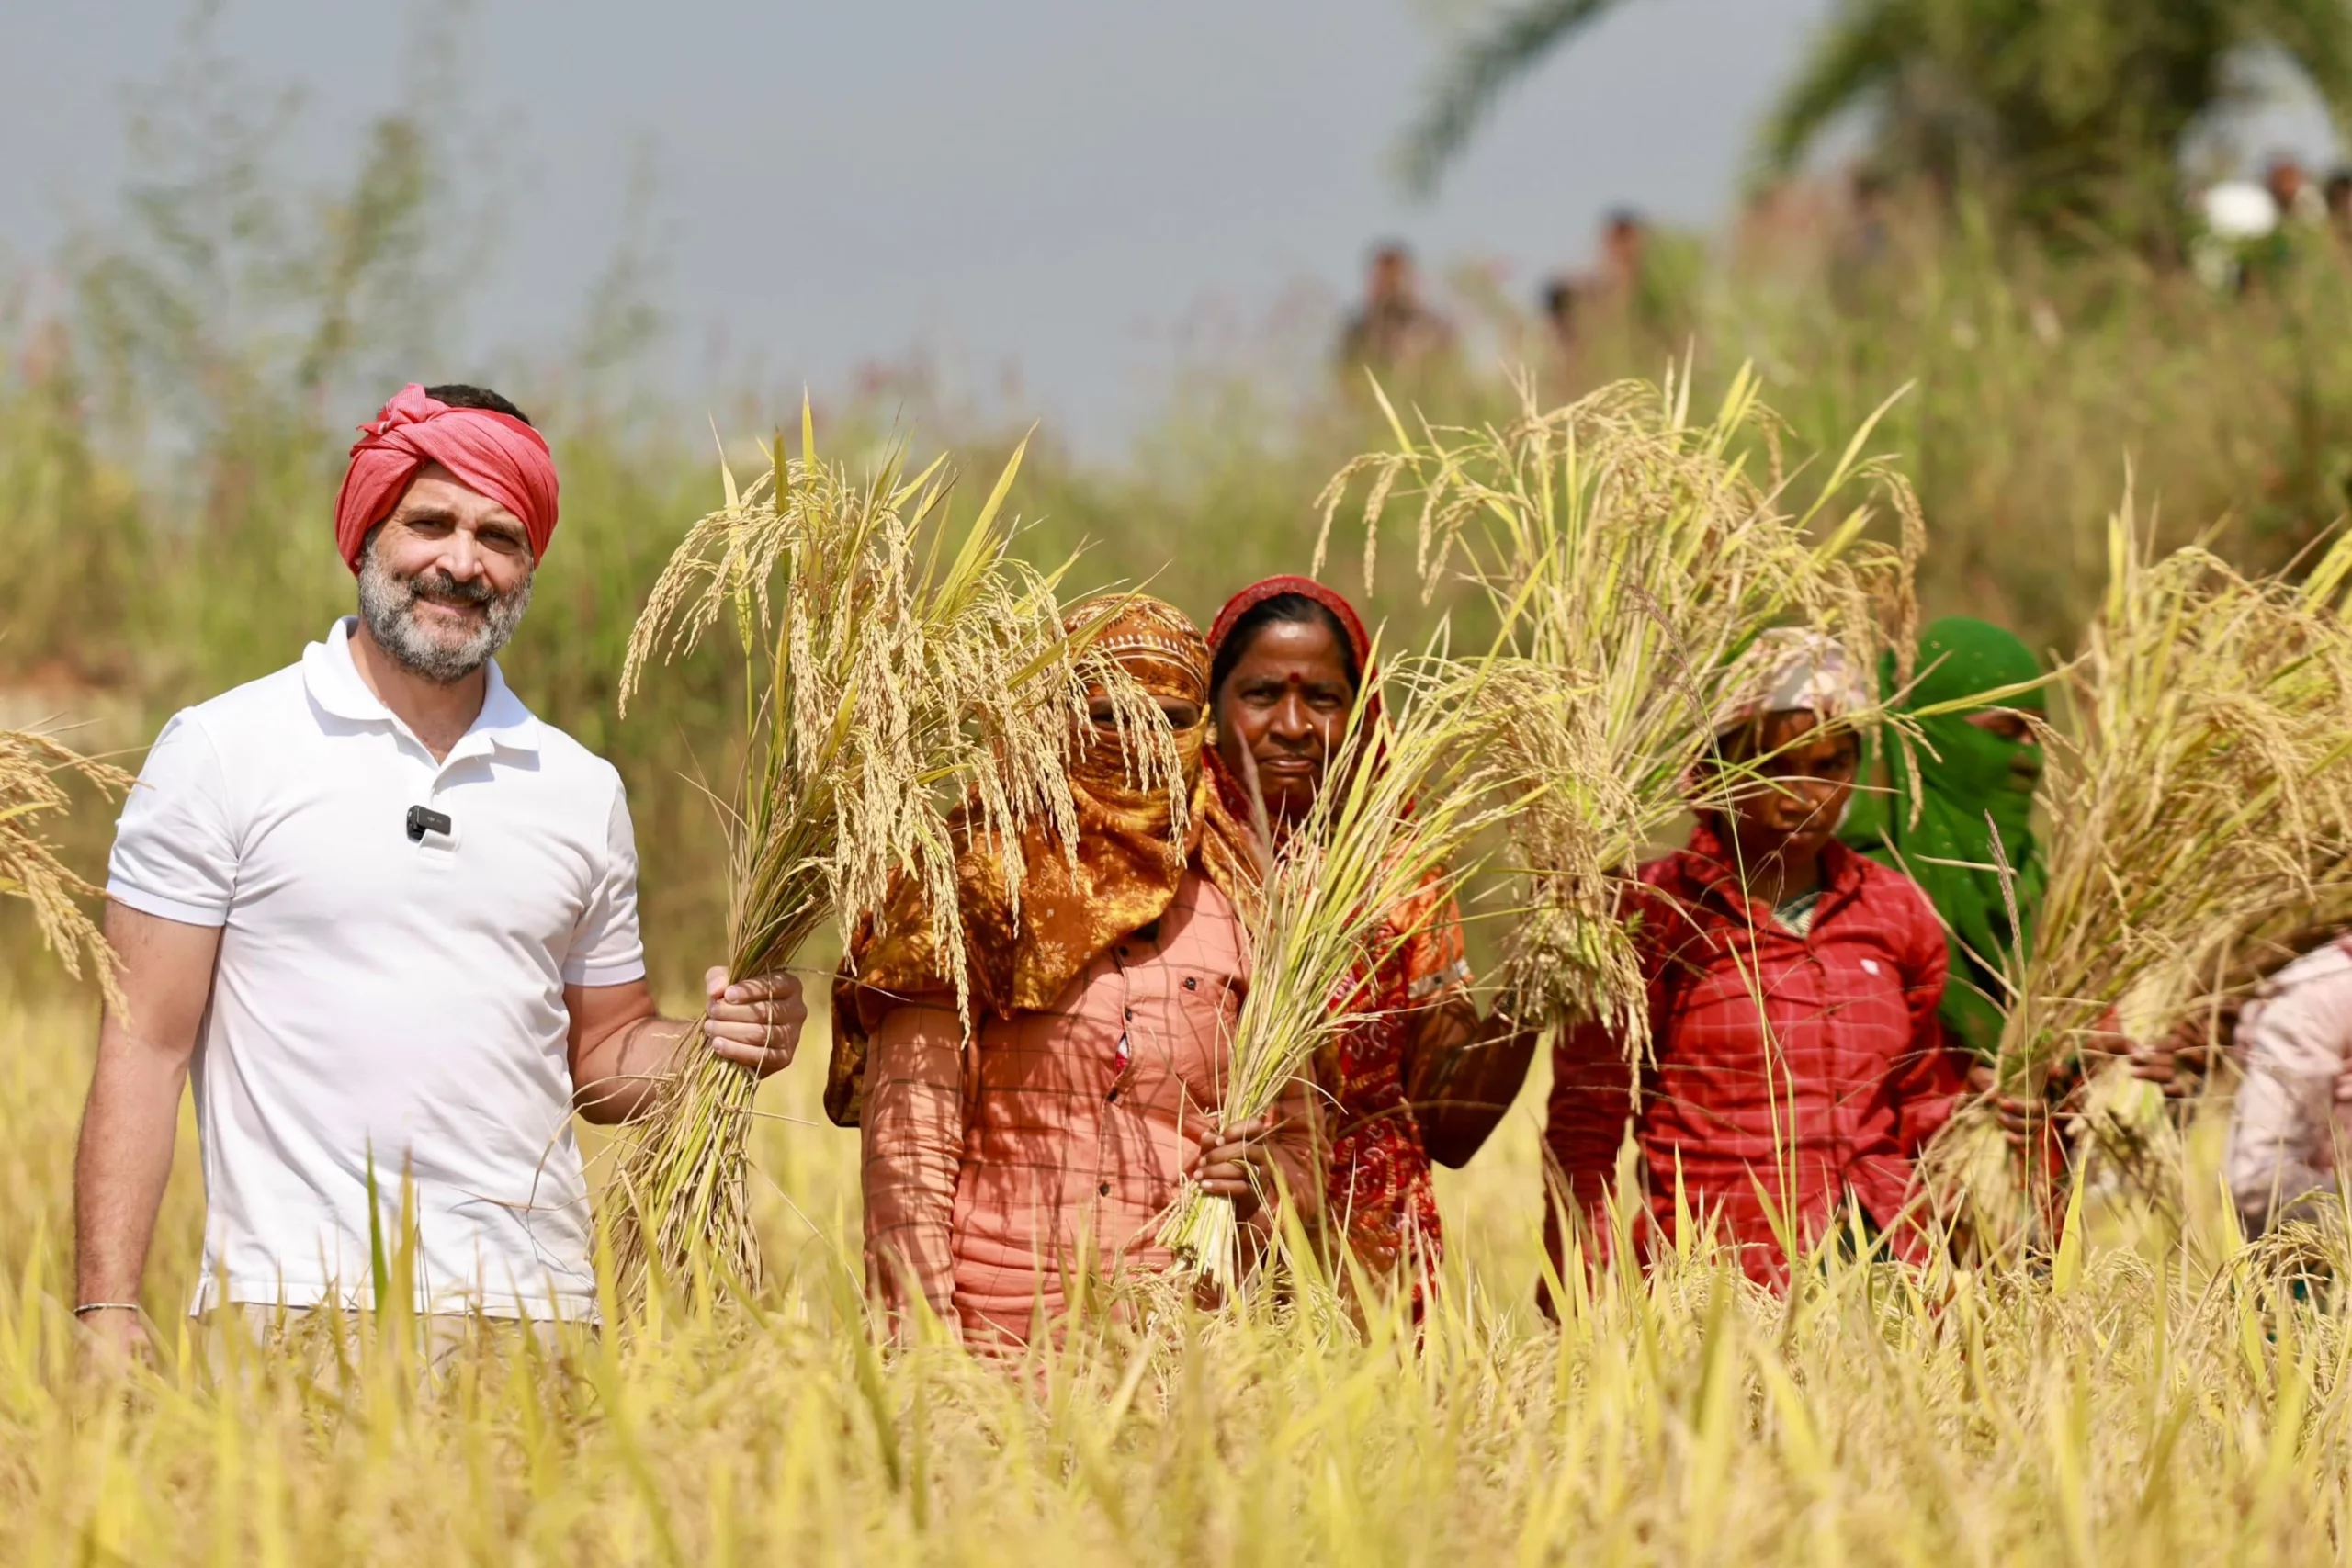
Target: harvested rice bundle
point(1628, 556)
point(2207, 788)
point(33, 768)
point(2127, 1134)
point(888, 684)
point(1408, 789)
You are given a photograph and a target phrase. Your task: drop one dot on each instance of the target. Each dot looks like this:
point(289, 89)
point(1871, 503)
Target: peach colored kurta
point(1057, 1148)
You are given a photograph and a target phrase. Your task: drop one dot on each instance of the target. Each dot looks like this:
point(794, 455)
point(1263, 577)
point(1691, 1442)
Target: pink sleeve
point(912, 1137)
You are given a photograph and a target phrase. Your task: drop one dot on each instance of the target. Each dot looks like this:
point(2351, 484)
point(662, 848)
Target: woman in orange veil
point(1007, 1168)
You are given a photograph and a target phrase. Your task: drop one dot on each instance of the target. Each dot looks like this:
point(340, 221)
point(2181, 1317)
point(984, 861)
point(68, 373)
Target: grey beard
point(388, 606)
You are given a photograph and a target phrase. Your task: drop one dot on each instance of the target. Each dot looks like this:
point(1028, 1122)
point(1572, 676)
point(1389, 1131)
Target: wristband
point(106, 1306)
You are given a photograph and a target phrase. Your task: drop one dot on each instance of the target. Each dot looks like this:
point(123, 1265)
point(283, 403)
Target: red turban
point(494, 454)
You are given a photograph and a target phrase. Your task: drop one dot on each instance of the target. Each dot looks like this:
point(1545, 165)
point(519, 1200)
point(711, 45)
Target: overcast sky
point(1079, 192)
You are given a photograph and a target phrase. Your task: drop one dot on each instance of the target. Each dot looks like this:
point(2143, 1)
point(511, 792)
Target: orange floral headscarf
point(1130, 856)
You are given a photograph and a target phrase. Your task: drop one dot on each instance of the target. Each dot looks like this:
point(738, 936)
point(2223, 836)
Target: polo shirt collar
point(333, 682)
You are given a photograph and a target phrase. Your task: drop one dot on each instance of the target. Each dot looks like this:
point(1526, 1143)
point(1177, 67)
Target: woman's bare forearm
point(1470, 1087)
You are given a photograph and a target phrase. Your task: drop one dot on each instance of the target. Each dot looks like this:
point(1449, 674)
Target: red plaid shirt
point(1789, 1071)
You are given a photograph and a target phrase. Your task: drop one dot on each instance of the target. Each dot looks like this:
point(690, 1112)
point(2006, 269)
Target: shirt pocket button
point(1191, 982)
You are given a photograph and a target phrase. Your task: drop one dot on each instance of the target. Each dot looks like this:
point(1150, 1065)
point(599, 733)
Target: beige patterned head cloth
point(1790, 669)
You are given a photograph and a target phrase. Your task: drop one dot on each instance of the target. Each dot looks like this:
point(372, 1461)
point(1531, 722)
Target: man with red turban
point(387, 921)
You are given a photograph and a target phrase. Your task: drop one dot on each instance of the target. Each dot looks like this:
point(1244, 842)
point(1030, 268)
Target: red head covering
point(1249, 599)
point(495, 454)
point(1256, 594)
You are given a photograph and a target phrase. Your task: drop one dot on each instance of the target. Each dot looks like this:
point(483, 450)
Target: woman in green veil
point(1971, 781)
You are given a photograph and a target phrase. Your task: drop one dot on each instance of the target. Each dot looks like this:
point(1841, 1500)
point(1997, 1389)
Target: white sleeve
point(176, 846)
point(605, 948)
point(2295, 1044)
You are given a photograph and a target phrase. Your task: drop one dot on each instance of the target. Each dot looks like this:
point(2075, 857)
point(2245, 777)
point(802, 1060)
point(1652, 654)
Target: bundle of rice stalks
point(1629, 555)
point(1406, 793)
point(33, 771)
point(2205, 792)
point(2128, 1137)
point(887, 682)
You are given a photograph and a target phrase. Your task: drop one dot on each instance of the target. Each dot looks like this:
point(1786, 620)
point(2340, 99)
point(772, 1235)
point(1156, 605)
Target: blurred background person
point(1624, 242)
point(2337, 197)
point(1393, 330)
point(1646, 280)
point(1862, 244)
point(2300, 204)
point(1558, 306)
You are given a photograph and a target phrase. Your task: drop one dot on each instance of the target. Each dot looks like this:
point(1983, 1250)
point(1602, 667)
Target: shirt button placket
point(1122, 1056)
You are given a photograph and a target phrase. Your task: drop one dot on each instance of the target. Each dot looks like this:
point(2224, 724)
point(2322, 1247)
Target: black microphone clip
point(424, 819)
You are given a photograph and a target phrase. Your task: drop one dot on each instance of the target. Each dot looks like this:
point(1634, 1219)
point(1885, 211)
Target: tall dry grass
point(1627, 553)
point(2120, 1407)
point(2202, 789)
point(34, 770)
point(898, 670)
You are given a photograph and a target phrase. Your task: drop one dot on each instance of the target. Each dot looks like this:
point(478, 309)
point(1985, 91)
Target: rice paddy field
point(2154, 1390)
point(2138, 1399)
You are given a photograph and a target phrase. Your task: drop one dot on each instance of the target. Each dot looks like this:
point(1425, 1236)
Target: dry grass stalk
point(1408, 791)
point(2204, 795)
point(33, 771)
point(1628, 554)
point(892, 676)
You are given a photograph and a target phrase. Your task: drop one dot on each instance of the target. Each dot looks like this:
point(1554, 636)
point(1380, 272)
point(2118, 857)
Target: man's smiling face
point(446, 578)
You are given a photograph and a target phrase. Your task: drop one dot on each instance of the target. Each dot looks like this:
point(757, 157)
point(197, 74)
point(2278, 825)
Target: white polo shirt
point(382, 1001)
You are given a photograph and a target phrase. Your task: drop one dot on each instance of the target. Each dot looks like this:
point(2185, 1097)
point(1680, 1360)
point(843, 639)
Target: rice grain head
point(33, 771)
point(1629, 555)
point(2202, 801)
point(900, 685)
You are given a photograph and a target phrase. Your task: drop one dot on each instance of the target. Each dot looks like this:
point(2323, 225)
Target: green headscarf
point(1965, 774)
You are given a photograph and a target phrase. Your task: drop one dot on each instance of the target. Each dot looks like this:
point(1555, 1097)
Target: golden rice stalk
point(892, 676)
point(1628, 554)
point(2204, 793)
point(1408, 791)
point(2129, 1134)
point(33, 768)
point(2232, 971)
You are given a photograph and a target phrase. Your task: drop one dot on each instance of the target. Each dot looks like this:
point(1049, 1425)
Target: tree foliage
point(2079, 110)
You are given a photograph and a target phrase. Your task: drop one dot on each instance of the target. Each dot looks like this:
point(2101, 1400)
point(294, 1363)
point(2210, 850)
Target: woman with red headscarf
point(1405, 1087)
